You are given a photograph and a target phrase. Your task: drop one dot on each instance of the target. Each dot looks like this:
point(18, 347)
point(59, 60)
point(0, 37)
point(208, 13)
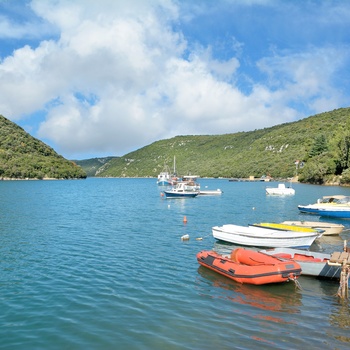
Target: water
point(100, 264)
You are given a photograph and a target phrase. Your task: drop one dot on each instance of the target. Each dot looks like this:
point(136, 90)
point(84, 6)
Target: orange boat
point(249, 266)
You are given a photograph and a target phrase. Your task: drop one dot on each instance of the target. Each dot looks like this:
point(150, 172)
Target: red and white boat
point(249, 266)
point(312, 263)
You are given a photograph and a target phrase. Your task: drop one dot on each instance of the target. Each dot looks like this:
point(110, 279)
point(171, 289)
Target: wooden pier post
point(342, 259)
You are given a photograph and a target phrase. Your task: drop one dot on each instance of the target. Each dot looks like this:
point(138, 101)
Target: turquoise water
point(100, 264)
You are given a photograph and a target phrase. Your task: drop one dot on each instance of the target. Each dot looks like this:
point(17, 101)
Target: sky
point(105, 78)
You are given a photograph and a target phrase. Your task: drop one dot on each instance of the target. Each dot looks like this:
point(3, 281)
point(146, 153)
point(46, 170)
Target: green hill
point(93, 166)
point(24, 157)
point(321, 143)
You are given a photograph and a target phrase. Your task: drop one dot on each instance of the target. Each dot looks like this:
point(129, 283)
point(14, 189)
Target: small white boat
point(328, 227)
point(217, 192)
point(312, 263)
point(281, 190)
point(264, 237)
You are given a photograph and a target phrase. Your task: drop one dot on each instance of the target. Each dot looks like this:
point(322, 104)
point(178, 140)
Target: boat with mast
point(166, 178)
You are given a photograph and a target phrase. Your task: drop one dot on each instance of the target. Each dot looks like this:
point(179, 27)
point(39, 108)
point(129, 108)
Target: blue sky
point(97, 78)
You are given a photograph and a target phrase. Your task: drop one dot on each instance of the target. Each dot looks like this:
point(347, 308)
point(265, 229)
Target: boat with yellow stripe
point(281, 226)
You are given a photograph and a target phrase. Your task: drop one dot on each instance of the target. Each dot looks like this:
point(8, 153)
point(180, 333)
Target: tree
point(320, 146)
point(343, 162)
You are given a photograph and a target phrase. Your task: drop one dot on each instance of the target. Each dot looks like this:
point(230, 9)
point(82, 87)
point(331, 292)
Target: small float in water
point(248, 266)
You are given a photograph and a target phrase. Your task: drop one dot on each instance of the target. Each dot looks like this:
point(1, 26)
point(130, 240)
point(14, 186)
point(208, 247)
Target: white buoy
point(185, 237)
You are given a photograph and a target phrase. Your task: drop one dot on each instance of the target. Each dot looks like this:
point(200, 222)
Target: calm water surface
point(99, 264)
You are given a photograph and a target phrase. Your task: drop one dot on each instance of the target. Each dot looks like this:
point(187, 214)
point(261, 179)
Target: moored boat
point(217, 192)
point(311, 263)
point(337, 206)
point(288, 227)
point(180, 191)
point(165, 179)
point(329, 228)
point(248, 266)
point(281, 190)
point(263, 236)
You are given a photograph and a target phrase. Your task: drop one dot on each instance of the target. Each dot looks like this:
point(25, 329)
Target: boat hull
point(170, 194)
point(164, 183)
point(334, 211)
point(247, 266)
point(263, 237)
point(217, 192)
point(277, 192)
point(328, 228)
point(281, 190)
point(311, 263)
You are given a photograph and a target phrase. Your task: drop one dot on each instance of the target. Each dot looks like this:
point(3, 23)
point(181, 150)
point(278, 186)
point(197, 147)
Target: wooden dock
point(342, 259)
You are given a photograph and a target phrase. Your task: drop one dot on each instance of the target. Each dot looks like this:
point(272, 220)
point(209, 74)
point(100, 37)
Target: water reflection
point(277, 297)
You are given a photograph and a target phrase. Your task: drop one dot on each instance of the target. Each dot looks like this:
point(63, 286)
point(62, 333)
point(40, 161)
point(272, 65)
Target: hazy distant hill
point(320, 143)
point(24, 157)
point(94, 165)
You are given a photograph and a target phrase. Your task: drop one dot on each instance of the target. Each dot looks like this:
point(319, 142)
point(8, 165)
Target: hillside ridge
point(316, 149)
point(24, 157)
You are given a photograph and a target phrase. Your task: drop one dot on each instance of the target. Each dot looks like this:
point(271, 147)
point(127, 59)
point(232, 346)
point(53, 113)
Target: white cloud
point(120, 77)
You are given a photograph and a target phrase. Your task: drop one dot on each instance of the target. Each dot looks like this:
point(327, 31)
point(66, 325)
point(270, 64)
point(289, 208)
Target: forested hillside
point(24, 157)
point(315, 148)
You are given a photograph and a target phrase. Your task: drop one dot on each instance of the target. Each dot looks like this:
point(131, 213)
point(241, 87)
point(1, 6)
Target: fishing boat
point(288, 227)
point(180, 191)
point(264, 237)
point(166, 178)
point(311, 263)
point(280, 190)
point(329, 228)
point(333, 206)
point(248, 266)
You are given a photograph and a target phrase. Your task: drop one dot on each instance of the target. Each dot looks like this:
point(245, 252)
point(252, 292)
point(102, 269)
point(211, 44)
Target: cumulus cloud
point(119, 77)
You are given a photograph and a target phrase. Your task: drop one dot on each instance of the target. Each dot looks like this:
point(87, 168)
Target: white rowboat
point(264, 237)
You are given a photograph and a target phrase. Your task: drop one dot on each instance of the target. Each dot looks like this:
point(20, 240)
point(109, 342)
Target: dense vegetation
point(320, 143)
point(24, 157)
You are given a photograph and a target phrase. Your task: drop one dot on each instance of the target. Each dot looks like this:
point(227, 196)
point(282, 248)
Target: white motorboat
point(281, 190)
